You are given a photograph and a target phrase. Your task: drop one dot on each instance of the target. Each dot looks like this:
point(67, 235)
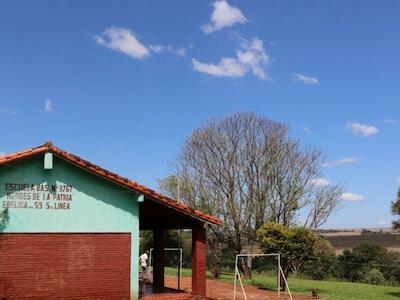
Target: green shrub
point(373, 276)
point(323, 266)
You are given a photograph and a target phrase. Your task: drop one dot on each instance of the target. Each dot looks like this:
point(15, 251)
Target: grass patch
point(174, 271)
point(328, 290)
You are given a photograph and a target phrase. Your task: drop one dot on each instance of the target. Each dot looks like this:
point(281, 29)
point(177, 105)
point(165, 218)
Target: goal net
point(268, 269)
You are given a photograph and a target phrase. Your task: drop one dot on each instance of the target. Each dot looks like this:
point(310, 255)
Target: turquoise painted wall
point(85, 202)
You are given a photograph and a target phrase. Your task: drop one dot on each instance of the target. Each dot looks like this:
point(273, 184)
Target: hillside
point(350, 238)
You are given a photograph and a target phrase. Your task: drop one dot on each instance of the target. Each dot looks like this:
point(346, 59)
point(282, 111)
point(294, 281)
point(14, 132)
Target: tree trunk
point(216, 251)
point(282, 278)
point(217, 269)
point(245, 268)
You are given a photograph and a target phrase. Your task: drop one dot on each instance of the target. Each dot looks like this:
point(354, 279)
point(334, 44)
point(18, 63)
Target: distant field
point(355, 231)
point(388, 240)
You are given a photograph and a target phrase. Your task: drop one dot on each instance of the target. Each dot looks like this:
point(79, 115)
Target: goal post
point(279, 272)
point(179, 267)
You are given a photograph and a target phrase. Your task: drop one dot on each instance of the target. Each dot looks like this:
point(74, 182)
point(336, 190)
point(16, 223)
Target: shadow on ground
point(394, 294)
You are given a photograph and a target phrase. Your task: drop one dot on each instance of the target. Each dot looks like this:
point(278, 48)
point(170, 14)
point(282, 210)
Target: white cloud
point(398, 180)
point(48, 105)
point(306, 129)
point(224, 15)
point(180, 52)
point(228, 67)
point(8, 110)
point(156, 48)
point(361, 129)
point(388, 121)
point(122, 40)
point(321, 182)
point(305, 79)
point(339, 162)
point(352, 197)
point(382, 223)
point(250, 57)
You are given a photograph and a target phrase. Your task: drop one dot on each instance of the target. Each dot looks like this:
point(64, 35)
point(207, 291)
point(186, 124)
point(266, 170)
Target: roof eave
point(112, 177)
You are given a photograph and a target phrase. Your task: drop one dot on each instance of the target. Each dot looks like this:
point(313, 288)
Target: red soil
point(218, 290)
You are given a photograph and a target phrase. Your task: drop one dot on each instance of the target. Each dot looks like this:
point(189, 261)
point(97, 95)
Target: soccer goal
point(279, 274)
point(150, 270)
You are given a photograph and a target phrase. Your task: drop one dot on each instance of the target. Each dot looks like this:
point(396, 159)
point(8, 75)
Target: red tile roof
point(84, 164)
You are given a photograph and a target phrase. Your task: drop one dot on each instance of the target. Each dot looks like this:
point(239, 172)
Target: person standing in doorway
point(144, 262)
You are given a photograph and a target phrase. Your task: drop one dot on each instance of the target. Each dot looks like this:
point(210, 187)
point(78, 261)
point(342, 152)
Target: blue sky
point(123, 83)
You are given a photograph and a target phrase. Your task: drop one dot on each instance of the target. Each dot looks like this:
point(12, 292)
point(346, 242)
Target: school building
point(71, 230)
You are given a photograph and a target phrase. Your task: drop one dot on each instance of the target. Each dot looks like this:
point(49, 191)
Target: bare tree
point(247, 171)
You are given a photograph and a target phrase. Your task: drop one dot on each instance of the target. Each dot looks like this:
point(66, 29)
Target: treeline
point(308, 255)
point(366, 263)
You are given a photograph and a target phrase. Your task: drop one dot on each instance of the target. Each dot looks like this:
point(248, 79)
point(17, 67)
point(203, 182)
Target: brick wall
point(199, 262)
point(65, 266)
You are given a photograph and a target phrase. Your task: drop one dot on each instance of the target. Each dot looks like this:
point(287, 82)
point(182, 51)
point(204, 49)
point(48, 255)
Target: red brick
point(199, 262)
point(65, 266)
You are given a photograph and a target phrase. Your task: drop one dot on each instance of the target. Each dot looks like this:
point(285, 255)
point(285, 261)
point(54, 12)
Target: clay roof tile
point(9, 158)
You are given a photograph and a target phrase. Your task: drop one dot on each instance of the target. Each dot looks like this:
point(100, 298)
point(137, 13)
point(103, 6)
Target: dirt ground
point(218, 290)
